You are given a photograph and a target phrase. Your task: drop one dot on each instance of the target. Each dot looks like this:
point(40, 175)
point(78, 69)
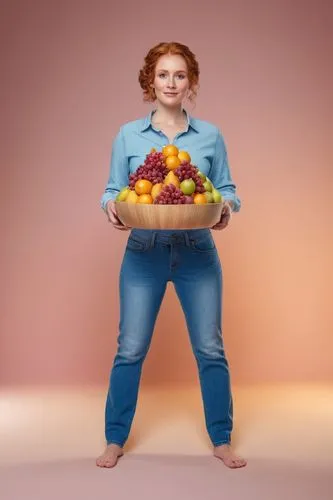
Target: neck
point(167, 115)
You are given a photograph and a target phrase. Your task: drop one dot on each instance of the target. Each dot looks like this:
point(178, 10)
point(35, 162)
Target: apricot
point(143, 186)
point(170, 150)
point(145, 198)
point(200, 199)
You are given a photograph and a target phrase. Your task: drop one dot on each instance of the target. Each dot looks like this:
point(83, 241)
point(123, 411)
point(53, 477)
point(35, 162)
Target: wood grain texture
point(168, 216)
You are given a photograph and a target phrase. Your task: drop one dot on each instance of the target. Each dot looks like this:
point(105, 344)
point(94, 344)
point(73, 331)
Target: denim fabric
point(201, 139)
point(190, 261)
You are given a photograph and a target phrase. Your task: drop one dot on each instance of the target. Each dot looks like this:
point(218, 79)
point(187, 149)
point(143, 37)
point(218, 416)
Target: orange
point(145, 198)
point(143, 186)
point(157, 188)
point(170, 150)
point(184, 156)
point(172, 162)
point(200, 199)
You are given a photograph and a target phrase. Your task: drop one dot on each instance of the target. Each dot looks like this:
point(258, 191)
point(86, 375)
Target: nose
point(171, 83)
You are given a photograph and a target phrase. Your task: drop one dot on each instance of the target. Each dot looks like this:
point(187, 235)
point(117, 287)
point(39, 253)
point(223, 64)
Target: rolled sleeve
point(119, 170)
point(220, 174)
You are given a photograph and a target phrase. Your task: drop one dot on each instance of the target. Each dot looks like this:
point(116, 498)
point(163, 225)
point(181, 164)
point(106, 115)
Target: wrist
point(230, 204)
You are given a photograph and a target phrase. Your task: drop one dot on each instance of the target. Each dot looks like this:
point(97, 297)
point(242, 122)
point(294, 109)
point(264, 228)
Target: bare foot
point(225, 453)
point(110, 456)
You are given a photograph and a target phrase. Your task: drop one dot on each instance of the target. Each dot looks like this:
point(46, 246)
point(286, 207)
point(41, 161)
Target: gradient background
point(69, 81)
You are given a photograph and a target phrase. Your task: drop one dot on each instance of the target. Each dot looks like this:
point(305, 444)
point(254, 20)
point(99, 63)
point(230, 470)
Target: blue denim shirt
point(202, 140)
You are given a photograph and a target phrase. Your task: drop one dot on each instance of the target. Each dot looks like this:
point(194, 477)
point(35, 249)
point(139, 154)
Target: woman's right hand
point(111, 212)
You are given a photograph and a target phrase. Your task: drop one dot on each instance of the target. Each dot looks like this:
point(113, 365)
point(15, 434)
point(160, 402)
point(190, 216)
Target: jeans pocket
point(203, 244)
point(138, 244)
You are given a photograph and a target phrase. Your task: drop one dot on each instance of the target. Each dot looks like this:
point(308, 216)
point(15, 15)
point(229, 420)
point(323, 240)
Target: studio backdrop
point(70, 80)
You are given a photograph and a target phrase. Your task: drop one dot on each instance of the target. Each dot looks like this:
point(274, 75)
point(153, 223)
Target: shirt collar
point(146, 122)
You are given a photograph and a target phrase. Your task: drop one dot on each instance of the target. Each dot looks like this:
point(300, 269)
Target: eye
point(161, 75)
point(181, 77)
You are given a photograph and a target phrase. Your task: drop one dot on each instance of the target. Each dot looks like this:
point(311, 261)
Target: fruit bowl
point(151, 216)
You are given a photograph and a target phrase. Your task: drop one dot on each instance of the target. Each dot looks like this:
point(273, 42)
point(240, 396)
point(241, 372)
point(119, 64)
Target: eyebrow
point(179, 71)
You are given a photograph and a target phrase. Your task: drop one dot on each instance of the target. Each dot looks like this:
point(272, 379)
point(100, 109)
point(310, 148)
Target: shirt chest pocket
point(135, 159)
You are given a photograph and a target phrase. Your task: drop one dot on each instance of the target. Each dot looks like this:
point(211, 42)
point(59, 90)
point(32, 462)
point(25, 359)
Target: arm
point(119, 171)
point(221, 177)
point(118, 178)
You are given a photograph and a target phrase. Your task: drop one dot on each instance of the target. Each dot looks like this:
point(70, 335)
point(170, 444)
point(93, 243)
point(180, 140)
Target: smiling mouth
point(170, 93)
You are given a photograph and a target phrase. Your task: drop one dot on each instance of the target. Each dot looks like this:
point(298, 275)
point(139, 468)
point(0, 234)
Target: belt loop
point(187, 239)
point(152, 241)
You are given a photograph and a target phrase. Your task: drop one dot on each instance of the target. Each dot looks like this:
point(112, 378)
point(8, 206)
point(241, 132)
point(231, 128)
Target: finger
point(114, 213)
point(111, 209)
point(221, 225)
point(224, 220)
point(119, 225)
point(114, 219)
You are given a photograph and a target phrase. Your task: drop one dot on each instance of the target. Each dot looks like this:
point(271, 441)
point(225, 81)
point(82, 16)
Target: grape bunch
point(188, 171)
point(170, 195)
point(153, 169)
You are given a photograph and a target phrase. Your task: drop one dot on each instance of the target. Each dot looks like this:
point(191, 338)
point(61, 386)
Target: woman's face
point(171, 81)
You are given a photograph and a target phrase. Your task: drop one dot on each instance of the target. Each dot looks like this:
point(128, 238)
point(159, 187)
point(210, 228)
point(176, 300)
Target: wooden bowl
point(136, 215)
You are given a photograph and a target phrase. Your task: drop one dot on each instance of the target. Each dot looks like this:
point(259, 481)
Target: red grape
point(153, 169)
point(170, 195)
point(188, 171)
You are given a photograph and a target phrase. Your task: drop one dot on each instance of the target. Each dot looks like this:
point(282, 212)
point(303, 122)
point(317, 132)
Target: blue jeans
point(190, 260)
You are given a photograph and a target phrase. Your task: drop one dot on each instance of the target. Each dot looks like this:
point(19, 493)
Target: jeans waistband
point(169, 235)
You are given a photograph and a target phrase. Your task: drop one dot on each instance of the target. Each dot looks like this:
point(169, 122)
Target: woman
point(187, 258)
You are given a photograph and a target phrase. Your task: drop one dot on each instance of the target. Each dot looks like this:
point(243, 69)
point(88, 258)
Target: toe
point(103, 462)
point(234, 463)
point(240, 462)
point(112, 462)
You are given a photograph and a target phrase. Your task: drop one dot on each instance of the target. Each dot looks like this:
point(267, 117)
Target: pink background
point(69, 81)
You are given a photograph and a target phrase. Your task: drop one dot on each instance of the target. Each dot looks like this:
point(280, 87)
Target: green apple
point(123, 194)
point(208, 186)
point(202, 176)
point(187, 186)
point(209, 197)
point(217, 196)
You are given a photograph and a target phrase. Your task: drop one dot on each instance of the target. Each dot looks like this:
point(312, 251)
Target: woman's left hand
point(225, 217)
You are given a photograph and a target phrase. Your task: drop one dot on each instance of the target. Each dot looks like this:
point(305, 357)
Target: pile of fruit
point(169, 178)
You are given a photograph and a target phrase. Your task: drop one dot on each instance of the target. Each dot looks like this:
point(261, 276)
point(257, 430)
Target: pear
point(209, 196)
point(202, 176)
point(132, 197)
point(171, 178)
point(217, 196)
point(123, 194)
point(157, 188)
point(208, 186)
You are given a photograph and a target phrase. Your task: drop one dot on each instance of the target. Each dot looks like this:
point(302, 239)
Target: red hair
point(147, 73)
